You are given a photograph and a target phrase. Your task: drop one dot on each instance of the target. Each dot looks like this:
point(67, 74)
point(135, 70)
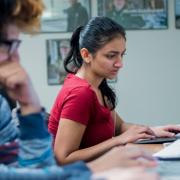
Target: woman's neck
point(91, 78)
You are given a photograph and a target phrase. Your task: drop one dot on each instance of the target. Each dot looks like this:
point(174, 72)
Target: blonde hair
point(25, 14)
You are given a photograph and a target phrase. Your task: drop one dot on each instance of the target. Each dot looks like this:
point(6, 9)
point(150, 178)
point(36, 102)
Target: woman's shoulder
point(84, 90)
point(75, 83)
point(75, 87)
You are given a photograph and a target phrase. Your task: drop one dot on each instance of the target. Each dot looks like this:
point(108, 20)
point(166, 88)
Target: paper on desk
point(172, 151)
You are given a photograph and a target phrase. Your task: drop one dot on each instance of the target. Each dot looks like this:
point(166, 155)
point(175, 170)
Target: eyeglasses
point(8, 47)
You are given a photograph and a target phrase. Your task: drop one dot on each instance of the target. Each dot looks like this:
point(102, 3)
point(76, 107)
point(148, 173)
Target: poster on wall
point(64, 16)
point(57, 50)
point(177, 13)
point(135, 14)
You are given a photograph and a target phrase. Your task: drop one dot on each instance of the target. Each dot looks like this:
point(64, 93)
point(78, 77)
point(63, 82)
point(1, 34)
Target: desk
point(168, 170)
point(152, 148)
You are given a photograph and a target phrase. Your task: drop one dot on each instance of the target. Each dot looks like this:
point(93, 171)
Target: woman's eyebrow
point(116, 52)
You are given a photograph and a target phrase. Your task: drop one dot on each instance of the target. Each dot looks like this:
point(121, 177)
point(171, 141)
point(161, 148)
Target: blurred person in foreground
point(25, 151)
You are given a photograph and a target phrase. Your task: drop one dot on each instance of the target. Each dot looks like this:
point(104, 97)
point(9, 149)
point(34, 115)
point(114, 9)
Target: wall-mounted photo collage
point(64, 16)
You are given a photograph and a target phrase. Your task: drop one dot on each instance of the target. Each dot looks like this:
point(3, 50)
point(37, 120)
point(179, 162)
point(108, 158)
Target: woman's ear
point(85, 54)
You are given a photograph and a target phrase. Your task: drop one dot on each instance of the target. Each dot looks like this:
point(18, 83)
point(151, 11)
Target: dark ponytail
point(73, 61)
point(108, 93)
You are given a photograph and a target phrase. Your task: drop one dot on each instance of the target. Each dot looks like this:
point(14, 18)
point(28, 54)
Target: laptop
point(158, 140)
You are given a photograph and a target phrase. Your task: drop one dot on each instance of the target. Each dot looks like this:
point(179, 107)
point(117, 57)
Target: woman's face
point(9, 44)
point(119, 4)
point(108, 60)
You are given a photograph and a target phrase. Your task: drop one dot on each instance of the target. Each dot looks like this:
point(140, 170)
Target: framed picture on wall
point(135, 14)
point(65, 16)
point(57, 50)
point(177, 13)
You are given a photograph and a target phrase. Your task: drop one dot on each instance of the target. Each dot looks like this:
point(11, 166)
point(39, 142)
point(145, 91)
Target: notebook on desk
point(159, 140)
point(171, 152)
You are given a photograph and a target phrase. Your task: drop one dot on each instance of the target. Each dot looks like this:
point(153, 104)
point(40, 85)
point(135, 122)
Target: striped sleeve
point(35, 141)
point(8, 135)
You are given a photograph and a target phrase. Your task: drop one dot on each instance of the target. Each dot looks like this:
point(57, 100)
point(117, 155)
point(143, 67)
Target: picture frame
point(177, 14)
point(136, 15)
point(57, 50)
point(64, 16)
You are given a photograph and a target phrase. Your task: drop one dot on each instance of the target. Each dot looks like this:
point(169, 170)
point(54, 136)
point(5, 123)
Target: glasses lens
point(14, 46)
point(9, 46)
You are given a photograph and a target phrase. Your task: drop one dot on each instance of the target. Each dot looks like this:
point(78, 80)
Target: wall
point(148, 87)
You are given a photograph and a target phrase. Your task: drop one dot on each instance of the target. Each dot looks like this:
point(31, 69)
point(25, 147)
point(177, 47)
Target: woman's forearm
point(90, 153)
point(125, 126)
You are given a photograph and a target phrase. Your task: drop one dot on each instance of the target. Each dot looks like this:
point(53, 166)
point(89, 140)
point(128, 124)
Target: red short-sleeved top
point(78, 102)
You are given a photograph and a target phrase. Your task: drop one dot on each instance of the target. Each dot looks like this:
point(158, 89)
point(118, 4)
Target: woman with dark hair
point(83, 121)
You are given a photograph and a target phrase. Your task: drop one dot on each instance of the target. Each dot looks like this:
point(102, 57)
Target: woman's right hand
point(134, 133)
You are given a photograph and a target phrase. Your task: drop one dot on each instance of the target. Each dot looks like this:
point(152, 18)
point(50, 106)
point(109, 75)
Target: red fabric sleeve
point(78, 106)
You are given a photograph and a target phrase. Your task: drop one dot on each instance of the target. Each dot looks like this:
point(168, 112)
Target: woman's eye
point(110, 56)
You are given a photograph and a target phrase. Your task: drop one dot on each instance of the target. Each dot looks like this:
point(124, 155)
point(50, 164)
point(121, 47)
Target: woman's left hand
point(166, 130)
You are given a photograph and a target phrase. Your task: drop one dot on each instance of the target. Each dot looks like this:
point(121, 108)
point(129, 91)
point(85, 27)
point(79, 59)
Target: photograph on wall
point(64, 15)
point(135, 14)
point(177, 13)
point(57, 50)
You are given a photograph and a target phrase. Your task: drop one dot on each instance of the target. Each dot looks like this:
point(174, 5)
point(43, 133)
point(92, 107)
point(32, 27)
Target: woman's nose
point(119, 63)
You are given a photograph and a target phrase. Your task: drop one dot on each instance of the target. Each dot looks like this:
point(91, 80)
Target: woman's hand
point(134, 133)
point(166, 131)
